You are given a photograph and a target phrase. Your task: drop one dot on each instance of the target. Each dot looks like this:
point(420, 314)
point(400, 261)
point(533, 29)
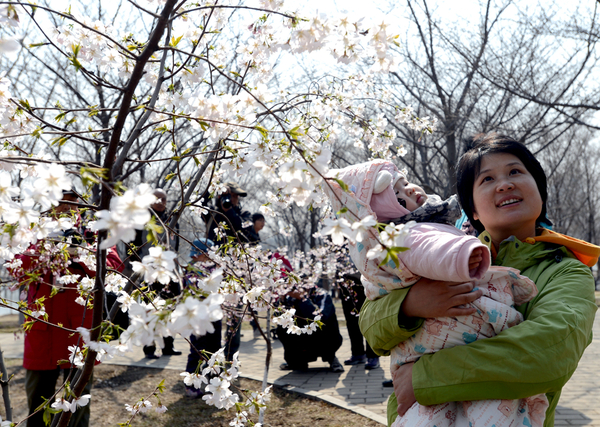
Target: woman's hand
point(405, 394)
point(432, 298)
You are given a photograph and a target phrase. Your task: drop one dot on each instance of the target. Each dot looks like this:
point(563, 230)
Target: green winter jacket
point(537, 356)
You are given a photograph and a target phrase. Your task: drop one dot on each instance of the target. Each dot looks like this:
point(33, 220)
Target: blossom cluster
point(144, 405)
point(128, 213)
point(407, 116)
point(224, 115)
point(218, 375)
point(392, 236)
point(62, 404)
point(20, 207)
point(14, 122)
point(88, 43)
point(8, 19)
point(287, 320)
point(157, 266)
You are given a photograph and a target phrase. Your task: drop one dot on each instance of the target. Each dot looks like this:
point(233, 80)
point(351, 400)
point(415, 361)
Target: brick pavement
point(580, 400)
point(359, 390)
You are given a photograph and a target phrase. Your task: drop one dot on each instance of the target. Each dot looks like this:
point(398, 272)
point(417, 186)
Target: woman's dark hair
point(470, 163)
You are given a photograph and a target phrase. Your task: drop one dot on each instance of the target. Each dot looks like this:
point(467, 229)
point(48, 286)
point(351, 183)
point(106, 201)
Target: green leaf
point(162, 129)
point(264, 132)
point(342, 211)
point(11, 12)
point(60, 116)
point(37, 133)
point(25, 104)
point(294, 133)
point(154, 229)
point(91, 175)
point(75, 62)
point(59, 141)
point(175, 41)
point(93, 111)
point(392, 253)
point(38, 44)
point(73, 58)
point(28, 325)
point(170, 176)
point(342, 184)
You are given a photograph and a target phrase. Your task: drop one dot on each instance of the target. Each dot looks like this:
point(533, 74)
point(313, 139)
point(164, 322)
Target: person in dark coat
point(353, 297)
point(228, 211)
point(211, 342)
point(300, 350)
point(159, 210)
point(251, 232)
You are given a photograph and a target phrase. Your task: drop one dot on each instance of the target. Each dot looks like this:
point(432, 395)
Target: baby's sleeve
point(378, 280)
point(441, 252)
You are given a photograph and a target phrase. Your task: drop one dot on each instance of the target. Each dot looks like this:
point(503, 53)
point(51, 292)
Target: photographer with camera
point(228, 211)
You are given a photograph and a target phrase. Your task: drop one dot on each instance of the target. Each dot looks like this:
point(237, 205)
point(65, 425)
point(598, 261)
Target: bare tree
point(476, 79)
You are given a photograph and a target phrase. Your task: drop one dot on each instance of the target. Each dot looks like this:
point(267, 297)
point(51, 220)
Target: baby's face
point(409, 195)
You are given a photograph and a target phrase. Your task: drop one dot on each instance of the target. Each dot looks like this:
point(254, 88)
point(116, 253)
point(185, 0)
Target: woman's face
point(506, 198)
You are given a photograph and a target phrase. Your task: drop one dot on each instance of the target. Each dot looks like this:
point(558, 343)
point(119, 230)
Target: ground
point(114, 386)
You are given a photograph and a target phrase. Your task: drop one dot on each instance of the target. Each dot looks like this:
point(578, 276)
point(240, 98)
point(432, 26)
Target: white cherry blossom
point(338, 229)
point(363, 227)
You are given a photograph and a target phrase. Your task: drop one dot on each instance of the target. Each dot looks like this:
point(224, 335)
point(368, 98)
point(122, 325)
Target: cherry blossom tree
point(154, 89)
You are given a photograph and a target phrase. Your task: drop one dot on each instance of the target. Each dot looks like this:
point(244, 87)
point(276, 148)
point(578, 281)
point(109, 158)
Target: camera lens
point(226, 202)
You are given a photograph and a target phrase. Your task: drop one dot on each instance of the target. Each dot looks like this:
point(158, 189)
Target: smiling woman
point(502, 189)
point(503, 186)
point(506, 185)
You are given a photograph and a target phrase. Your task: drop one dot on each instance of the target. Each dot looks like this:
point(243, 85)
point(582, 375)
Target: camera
point(226, 202)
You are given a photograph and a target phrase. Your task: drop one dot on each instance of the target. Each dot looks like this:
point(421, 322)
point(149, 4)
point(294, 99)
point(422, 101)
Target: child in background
point(437, 251)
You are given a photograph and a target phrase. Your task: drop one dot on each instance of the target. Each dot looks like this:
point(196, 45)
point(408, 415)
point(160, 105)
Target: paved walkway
point(359, 390)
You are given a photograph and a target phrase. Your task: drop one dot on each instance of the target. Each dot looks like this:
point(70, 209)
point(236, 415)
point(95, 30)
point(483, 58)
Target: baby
point(437, 251)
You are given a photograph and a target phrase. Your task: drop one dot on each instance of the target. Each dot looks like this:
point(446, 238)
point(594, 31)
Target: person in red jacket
point(46, 345)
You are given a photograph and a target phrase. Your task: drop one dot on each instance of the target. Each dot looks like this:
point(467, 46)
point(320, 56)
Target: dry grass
point(116, 385)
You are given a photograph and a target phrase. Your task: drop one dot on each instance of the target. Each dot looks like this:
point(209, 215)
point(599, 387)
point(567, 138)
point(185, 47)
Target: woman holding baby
point(502, 189)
